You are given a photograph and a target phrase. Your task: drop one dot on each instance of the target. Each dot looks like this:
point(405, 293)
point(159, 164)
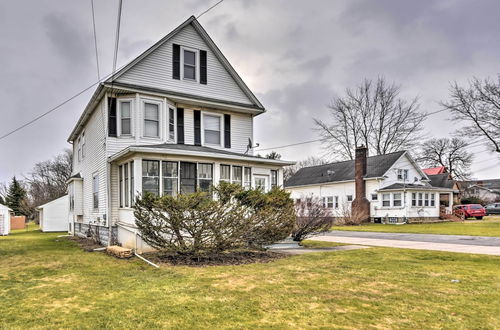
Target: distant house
point(393, 187)
point(54, 215)
point(487, 190)
point(177, 119)
point(435, 170)
point(439, 177)
point(5, 213)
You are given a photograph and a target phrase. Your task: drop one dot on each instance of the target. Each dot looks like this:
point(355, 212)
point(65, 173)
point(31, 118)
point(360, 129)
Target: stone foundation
point(99, 233)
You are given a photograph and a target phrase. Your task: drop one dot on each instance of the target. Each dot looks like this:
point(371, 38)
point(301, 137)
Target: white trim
point(158, 102)
point(119, 117)
point(261, 176)
point(202, 128)
point(197, 64)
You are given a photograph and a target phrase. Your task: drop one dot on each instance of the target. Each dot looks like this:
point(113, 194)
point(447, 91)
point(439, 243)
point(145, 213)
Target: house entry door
point(188, 177)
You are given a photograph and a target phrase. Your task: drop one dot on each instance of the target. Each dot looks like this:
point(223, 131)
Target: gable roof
point(441, 180)
point(210, 43)
point(434, 170)
point(376, 167)
point(491, 185)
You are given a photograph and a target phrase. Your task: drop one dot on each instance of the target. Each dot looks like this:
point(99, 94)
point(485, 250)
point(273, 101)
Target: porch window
point(274, 178)
point(170, 178)
point(171, 124)
point(386, 200)
point(413, 199)
point(125, 118)
point(205, 177)
point(120, 176)
point(95, 191)
point(248, 177)
point(237, 175)
point(125, 181)
point(151, 120)
point(225, 173)
point(420, 199)
point(396, 199)
point(188, 178)
point(212, 129)
point(151, 176)
point(433, 200)
point(426, 199)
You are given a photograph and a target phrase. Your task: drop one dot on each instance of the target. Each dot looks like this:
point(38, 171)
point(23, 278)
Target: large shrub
point(233, 219)
point(312, 218)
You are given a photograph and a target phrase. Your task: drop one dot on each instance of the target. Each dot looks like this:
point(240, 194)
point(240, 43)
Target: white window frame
point(221, 132)
point(374, 195)
point(329, 202)
point(94, 177)
point(197, 63)
point(403, 172)
point(79, 148)
point(349, 200)
point(83, 145)
point(261, 176)
point(174, 132)
point(384, 200)
point(119, 115)
point(160, 118)
point(394, 199)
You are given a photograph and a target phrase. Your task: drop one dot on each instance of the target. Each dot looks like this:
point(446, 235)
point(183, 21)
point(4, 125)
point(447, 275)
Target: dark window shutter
point(227, 131)
point(203, 67)
point(176, 62)
point(197, 127)
point(180, 125)
point(112, 116)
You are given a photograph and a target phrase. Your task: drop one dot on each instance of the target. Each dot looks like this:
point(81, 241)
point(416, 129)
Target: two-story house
point(394, 186)
point(177, 119)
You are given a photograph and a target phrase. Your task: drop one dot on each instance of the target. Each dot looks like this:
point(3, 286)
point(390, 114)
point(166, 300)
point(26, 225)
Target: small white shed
point(54, 215)
point(4, 220)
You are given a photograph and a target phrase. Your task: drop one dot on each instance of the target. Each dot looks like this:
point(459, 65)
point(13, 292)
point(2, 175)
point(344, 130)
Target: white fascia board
point(198, 154)
point(330, 183)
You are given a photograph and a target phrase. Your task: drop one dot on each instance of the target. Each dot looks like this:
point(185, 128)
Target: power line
point(95, 41)
point(210, 8)
point(117, 39)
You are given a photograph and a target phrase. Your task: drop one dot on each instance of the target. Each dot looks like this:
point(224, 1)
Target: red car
point(470, 210)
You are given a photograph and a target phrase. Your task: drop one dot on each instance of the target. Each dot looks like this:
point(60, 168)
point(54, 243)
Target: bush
point(312, 219)
point(234, 219)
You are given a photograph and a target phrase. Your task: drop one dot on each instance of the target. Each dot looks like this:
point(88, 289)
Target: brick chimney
point(360, 205)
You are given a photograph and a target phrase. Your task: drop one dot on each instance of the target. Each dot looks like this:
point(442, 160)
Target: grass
point(47, 282)
point(489, 226)
point(312, 244)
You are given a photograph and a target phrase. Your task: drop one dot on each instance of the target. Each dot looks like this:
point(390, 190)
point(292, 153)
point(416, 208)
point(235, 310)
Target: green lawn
point(47, 282)
point(490, 226)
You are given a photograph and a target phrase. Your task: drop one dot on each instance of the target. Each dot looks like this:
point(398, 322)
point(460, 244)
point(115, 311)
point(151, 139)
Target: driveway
point(449, 243)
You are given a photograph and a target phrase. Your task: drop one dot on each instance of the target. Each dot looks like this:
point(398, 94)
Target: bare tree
point(373, 115)
point(450, 153)
point(273, 155)
point(47, 180)
point(288, 171)
point(479, 106)
point(312, 218)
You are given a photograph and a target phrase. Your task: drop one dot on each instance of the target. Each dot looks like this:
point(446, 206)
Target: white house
point(396, 190)
point(4, 220)
point(176, 119)
point(54, 215)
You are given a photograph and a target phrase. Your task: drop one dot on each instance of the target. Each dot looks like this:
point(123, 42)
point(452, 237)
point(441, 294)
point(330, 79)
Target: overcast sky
point(294, 55)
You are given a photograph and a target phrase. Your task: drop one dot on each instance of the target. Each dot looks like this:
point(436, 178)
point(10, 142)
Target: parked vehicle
point(470, 210)
point(493, 208)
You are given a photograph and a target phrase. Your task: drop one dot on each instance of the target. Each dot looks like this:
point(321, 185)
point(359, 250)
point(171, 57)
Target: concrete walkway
point(302, 250)
point(448, 243)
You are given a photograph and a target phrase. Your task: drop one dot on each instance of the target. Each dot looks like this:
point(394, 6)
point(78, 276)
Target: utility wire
point(95, 41)
point(117, 40)
point(210, 8)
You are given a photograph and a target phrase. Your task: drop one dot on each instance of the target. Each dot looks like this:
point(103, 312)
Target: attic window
point(189, 64)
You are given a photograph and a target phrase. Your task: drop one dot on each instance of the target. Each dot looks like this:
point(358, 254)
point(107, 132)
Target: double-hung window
point(125, 184)
point(132, 194)
point(433, 200)
point(79, 146)
point(205, 177)
point(396, 199)
point(336, 202)
point(374, 197)
point(171, 124)
point(151, 119)
point(248, 177)
point(151, 176)
point(426, 199)
point(386, 200)
point(274, 178)
point(83, 145)
point(170, 174)
point(237, 175)
point(95, 191)
point(189, 57)
point(125, 117)
point(212, 129)
point(329, 202)
point(349, 198)
point(413, 199)
point(120, 176)
point(402, 174)
point(420, 199)
point(225, 173)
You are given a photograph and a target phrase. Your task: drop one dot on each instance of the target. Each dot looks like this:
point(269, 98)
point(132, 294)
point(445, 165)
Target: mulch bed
point(85, 244)
point(215, 259)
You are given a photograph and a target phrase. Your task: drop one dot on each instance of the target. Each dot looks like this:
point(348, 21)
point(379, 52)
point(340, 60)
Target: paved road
point(450, 243)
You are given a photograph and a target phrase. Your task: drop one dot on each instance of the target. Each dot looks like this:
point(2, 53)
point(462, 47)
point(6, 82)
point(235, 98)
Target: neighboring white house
point(54, 215)
point(4, 220)
point(176, 119)
point(396, 188)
